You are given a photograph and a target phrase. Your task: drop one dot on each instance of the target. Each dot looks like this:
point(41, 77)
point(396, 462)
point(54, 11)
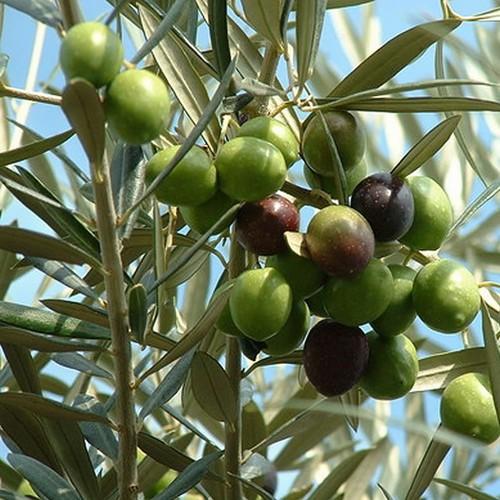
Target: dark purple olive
point(335, 357)
point(260, 226)
point(386, 202)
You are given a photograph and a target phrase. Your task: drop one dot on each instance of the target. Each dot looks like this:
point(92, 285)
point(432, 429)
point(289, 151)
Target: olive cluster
point(136, 101)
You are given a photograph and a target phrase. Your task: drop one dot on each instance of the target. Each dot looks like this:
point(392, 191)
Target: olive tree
point(265, 251)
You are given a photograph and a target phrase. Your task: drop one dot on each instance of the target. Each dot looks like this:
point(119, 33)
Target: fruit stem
point(489, 284)
point(120, 331)
point(6, 91)
point(70, 13)
point(306, 196)
point(232, 457)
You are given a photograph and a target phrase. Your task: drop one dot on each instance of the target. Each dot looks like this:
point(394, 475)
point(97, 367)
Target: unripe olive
point(467, 407)
point(446, 296)
point(433, 215)
point(392, 367)
point(137, 105)
point(362, 298)
point(273, 131)
point(250, 169)
point(400, 312)
point(191, 182)
point(260, 303)
point(348, 134)
point(91, 51)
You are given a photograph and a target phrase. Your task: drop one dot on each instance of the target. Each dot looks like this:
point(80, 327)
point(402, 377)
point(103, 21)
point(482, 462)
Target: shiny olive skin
point(91, 51)
point(348, 134)
point(400, 313)
point(362, 298)
point(260, 303)
point(340, 241)
point(392, 367)
point(387, 204)
point(335, 357)
point(433, 215)
point(202, 217)
point(273, 131)
point(250, 169)
point(353, 177)
point(137, 105)
point(292, 334)
point(261, 225)
point(302, 274)
point(467, 407)
point(446, 296)
point(193, 180)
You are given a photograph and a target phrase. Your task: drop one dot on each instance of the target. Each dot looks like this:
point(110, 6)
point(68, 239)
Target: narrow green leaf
point(189, 478)
point(98, 435)
point(33, 149)
point(80, 363)
point(27, 432)
point(212, 388)
point(437, 371)
point(10, 478)
point(44, 11)
point(43, 407)
point(265, 16)
point(338, 476)
point(194, 335)
point(68, 441)
point(423, 104)
point(128, 171)
point(491, 347)
point(64, 274)
point(39, 320)
point(23, 368)
point(489, 193)
point(294, 358)
point(42, 202)
point(393, 56)
point(43, 479)
point(84, 312)
point(169, 386)
point(163, 452)
point(217, 16)
point(84, 110)
point(166, 24)
point(9, 495)
point(137, 311)
point(182, 78)
point(473, 493)
point(427, 468)
point(310, 19)
point(33, 244)
point(427, 147)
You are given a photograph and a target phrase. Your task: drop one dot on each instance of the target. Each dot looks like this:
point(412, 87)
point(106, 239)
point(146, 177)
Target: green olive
point(193, 180)
point(250, 169)
point(467, 407)
point(446, 296)
point(260, 303)
point(392, 367)
point(137, 105)
point(91, 51)
point(292, 334)
point(400, 312)
point(348, 134)
point(433, 215)
point(273, 131)
point(361, 299)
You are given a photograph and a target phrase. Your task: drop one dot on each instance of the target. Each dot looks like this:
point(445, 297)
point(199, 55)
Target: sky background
point(21, 36)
